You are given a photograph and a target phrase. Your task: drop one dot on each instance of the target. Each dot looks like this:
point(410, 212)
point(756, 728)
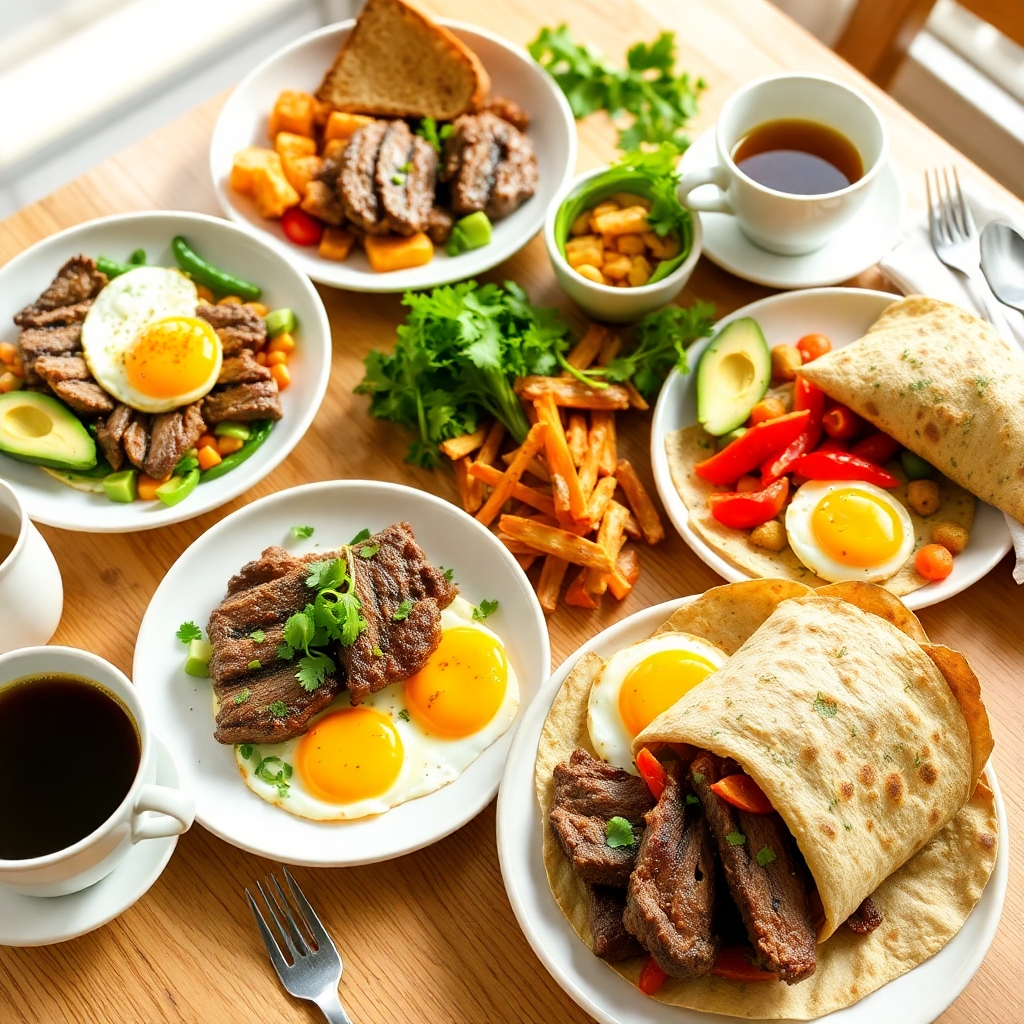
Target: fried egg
point(849, 530)
point(638, 683)
point(144, 343)
point(402, 742)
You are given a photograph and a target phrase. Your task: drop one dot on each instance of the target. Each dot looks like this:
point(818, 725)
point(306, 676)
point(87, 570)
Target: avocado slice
point(732, 376)
point(39, 429)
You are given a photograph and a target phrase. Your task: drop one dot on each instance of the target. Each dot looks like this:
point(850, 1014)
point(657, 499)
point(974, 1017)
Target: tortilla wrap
point(945, 385)
point(924, 902)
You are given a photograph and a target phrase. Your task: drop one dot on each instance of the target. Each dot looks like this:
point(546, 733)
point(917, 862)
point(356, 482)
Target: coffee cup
point(31, 591)
point(146, 811)
point(789, 223)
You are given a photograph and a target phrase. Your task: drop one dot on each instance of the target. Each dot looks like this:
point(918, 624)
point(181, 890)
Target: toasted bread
point(398, 63)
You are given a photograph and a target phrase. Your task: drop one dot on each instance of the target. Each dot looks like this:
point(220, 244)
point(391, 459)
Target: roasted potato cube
point(924, 496)
point(952, 536)
point(245, 162)
point(581, 225)
point(333, 148)
point(342, 126)
point(293, 112)
point(666, 248)
point(618, 268)
point(321, 112)
point(336, 243)
point(288, 144)
point(631, 245)
point(640, 272)
point(631, 221)
point(393, 252)
point(786, 362)
point(301, 170)
point(607, 206)
point(585, 249)
point(770, 535)
point(591, 273)
point(272, 191)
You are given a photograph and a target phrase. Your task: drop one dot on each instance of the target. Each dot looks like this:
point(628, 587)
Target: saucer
point(859, 245)
point(42, 920)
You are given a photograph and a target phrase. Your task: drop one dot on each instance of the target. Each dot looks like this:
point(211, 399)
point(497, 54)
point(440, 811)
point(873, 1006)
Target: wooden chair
point(879, 32)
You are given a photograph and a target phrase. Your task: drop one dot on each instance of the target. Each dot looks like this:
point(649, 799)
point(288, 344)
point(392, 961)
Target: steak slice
point(59, 317)
point(612, 942)
point(135, 439)
point(356, 178)
point(671, 894)
point(76, 282)
point(172, 435)
point(257, 401)
point(772, 898)
point(37, 342)
point(85, 397)
point(404, 179)
point(274, 563)
point(242, 369)
point(865, 919)
point(589, 792)
point(515, 179)
point(110, 433)
point(57, 369)
point(439, 224)
point(398, 571)
point(508, 110)
point(237, 326)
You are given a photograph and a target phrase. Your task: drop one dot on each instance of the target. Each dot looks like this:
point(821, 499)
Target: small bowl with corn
point(606, 256)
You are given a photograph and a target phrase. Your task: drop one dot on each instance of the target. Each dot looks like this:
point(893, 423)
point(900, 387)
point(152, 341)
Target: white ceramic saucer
point(40, 921)
point(861, 244)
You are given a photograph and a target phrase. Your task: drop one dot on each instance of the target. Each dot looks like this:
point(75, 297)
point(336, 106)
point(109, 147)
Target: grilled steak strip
point(397, 571)
point(57, 369)
point(589, 792)
point(356, 180)
point(508, 110)
point(772, 898)
point(110, 433)
point(85, 397)
point(257, 401)
point(865, 919)
point(404, 178)
point(135, 439)
point(237, 326)
point(172, 435)
point(671, 894)
point(76, 284)
point(611, 940)
point(242, 369)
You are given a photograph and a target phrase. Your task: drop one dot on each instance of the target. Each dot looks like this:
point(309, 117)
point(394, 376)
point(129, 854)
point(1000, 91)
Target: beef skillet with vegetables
point(141, 382)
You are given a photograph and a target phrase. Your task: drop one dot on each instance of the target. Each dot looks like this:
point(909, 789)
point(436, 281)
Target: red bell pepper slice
point(745, 511)
point(778, 466)
point(877, 448)
point(821, 465)
point(841, 422)
point(832, 444)
point(734, 963)
point(651, 772)
point(750, 450)
point(743, 792)
point(652, 977)
point(808, 396)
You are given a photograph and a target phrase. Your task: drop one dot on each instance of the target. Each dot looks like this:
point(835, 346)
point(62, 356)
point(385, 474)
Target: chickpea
point(924, 496)
point(770, 535)
point(952, 536)
point(786, 361)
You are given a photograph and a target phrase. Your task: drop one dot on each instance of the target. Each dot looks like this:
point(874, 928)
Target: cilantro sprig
point(189, 631)
point(484, 609)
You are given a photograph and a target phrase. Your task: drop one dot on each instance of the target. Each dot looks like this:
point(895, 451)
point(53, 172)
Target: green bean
point(260, 432)
point(112, 268)
point(138, 258)
point(209, 275)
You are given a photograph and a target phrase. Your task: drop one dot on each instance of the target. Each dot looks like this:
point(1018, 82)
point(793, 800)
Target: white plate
point(844, 315)
point(181, 707)
point(917, 997)
point(859, 245)
point(27, 275)
point(39, 921)
point(303, 64)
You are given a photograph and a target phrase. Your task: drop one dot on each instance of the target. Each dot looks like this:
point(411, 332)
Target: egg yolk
point(856, 527)
point(172, 357)
point(656, 683)
point(349, 755)
point(460, 688)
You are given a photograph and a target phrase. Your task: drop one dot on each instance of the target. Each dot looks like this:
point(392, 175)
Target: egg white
point(125, 307)
point(800, 532)
point(608, 733)
point(429, 762)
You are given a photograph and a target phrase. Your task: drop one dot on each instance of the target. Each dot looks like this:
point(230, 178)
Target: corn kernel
point(17, 367)
point(280, 374)
point(261, 358)
point(282, 343)
point(7, 352)
point(207, 441)
point(590, 272)
point(208, 457)
point(666, 248)
point(230, 300)
point(229, 445)
point(257, 307)
point(8, 383)
point(277, 358)
point(204, 293)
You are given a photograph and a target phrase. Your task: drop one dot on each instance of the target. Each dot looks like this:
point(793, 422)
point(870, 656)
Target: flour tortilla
point(945, 385)
point(924, 903)
point(685, 448)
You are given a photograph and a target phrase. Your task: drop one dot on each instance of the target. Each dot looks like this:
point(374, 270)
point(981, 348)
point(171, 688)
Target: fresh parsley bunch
point(648, 88)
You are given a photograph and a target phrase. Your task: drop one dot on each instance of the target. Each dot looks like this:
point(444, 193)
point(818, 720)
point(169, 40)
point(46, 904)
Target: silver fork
point(315, 968)
point(956, 241)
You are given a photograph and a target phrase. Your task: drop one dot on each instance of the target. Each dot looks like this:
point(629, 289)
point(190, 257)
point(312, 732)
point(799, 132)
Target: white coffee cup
point(147, 811)
point(783, 222)
point(31, 591)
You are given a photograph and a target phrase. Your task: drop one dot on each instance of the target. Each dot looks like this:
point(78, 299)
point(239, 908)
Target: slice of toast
point(398, 63)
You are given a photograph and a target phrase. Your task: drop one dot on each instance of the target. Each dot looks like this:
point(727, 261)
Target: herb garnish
point(301, 532)
point(619, 832)
point(403, 715)
point(698, 778)
point(484, 609)
point(765, 856)
point(255, 664)
point(241, 698)
point(369, 550)
point(377, 652)
point(401, 613)
point(363, 534)
point(257, 636)
point(189, 631)
point(691, 799)
point(278, 709)
point(825, 706)
point(449, 574)
point(735, 838)
point(278, 778)
point(246, 750)
point(435, 136)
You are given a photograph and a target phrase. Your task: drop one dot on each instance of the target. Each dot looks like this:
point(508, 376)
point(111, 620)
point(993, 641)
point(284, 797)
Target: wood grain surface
point(431, 937)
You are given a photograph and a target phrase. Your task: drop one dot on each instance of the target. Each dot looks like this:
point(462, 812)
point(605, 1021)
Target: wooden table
point(431, 937)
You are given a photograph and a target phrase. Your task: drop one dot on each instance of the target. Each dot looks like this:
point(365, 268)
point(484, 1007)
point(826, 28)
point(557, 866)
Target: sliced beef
point(237, 326)
point(612, 942)
point(588, 793)
point(172, 434)
point(85, 397)
point(257, 401)
point(490, 165)
point(321, 198)
point(77, 282)
point(110, 433)
point(866, 918)
point(508, 110)
point(59, 317)
point(271, 565)
point(773, 897)
point(398, 571)
point(671, 896)
point(39, 342)
point(404, 179)
point(135, 440)
point(439, 224)
point(242, 369)
point(56, 369)
point(356, 179)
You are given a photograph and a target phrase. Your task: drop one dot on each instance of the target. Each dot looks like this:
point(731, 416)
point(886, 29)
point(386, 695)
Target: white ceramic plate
point(844, 315)
point(859, 245)
point(181, 707)
point(40, 921)
point(226, 246)
point(918, 997)
point(303, 64)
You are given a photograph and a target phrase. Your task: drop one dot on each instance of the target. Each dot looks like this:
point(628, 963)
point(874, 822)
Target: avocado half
point(733, 374)
point(39, 429)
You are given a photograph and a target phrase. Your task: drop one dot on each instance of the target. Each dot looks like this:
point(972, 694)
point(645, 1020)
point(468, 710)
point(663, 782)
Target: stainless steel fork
point(315, 968)
point(956, 241)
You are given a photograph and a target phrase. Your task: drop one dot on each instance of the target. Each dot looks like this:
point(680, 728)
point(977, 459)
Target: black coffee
point(804, 158)
point(70, 754)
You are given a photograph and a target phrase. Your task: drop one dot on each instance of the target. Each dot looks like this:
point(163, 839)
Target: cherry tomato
point(299, 227)
point(934, 562)
point(810, 346)
point(841, 423)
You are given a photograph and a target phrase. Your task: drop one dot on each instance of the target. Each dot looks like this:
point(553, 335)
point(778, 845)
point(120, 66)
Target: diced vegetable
point(745, 511)
point(205, 273)
point(299, 227)
point(178, 488)
point(281, 374)
point(147, 487)
point(753, 448)
point(914, 466)
point(652, 977)
point(301, 170)
point(208, 457)
point(197, 663)
point(336, 244)
point(260, 432)
point(343, 126)
point(122, 486)
point(812, 346)
point(288, 144)
point(280, 321)
point(821, 465)
point(245, 163)
point(393, 252)
point(651, 772)
point(743, 792)
point(282, 343)
point(470, 232)
point(228, 428)
point(767, 409)
point(272, 192)
point(933, 562)
point(293, 112)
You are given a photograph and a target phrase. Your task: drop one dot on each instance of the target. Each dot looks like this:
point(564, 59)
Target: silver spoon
point(1002, 262)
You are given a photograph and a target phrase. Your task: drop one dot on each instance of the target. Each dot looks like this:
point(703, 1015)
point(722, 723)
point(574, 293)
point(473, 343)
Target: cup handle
point(716, 176)
point(173, 813)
